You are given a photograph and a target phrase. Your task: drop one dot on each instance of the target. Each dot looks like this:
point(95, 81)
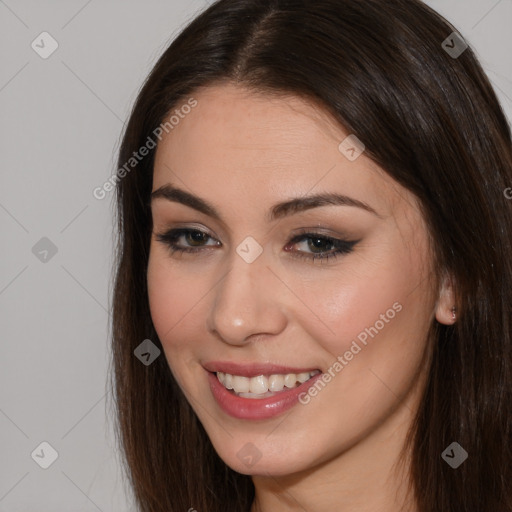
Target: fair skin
point(244, 152)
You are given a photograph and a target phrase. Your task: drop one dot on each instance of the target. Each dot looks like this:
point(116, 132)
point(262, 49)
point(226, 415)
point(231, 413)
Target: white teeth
point(252, 395)
point(276, 382)
point(228, 381)
point(303, 377)
point(258, 385)
point(240, 384)
point(290, 380)
point(262, 386)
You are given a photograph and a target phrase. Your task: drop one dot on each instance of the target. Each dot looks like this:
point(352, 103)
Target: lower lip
point(257, 408)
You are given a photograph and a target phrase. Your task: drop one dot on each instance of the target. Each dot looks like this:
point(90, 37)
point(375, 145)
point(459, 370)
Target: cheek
point(175, 301)
point(375, 303)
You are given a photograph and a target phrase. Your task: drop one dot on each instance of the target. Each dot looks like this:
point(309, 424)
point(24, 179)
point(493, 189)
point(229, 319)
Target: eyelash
point(341, 247)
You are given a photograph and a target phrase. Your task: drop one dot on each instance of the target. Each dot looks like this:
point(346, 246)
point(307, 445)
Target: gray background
point(61, 121)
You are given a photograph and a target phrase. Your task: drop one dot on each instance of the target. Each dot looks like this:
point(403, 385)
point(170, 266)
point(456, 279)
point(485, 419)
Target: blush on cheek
point(167, 306)
point(358, 323)
point(349, 309)
point(176, 310)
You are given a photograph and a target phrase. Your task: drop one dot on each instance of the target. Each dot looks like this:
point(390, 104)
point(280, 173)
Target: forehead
point(254, 148)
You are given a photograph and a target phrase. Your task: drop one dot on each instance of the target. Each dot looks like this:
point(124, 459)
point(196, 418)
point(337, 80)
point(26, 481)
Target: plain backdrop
point(60, 125)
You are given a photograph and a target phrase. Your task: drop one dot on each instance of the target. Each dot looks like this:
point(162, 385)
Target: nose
point(246, 303)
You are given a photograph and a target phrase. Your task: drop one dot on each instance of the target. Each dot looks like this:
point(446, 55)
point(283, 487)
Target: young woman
point(312, 304)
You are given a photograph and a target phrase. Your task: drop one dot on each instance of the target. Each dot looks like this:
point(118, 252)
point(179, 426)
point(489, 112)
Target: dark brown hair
point(434, 124)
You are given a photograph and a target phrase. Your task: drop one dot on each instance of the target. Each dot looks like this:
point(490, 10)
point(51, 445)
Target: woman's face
point(283, 282)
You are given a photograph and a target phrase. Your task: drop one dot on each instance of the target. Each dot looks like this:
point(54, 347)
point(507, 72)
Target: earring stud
point(454, 316)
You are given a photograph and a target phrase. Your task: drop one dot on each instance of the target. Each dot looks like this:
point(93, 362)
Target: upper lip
point(254, 369)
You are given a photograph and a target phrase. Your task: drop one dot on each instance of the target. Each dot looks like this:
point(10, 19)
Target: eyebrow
point(278, 211)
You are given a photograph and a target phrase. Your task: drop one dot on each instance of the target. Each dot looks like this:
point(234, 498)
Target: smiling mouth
point(263, 386)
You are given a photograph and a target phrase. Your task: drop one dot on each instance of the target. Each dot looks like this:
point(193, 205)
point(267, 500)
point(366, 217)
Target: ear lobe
point(446, 311)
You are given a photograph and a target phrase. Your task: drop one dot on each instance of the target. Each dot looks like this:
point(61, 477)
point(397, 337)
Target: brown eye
point(315, 246)
point(185, 240)
point(196, 237)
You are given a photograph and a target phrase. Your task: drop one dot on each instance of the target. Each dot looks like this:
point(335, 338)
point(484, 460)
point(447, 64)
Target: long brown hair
point(432, 121)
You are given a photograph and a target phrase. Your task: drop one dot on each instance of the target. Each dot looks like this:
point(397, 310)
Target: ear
point(446, 311)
